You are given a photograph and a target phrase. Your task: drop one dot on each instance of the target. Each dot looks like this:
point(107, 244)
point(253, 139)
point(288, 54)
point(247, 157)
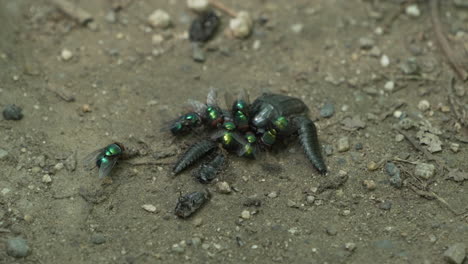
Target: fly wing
point(106, 168)
point(212, 98)
point(262, 118)
point(244, 95)
point(197, 106)
point(89, 161)
point(228, 100)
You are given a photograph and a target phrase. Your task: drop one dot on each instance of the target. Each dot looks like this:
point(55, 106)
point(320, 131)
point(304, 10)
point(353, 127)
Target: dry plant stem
point(444, 45)
point(77, 13)
point(431, 195)
point(426, 153)
point(217, 4)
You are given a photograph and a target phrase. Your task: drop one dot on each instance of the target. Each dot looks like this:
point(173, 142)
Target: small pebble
point(375, 52)
point(3, 154)
point(386, 205)
point(58, 166)
point(17, 247)
point(369, 184)
point(297, 28)
point(198, 54)
point(12, 112)
point(196, 241)
point(384, 61)
point(159, 19)
point(245, 214)
point(149, 208)
point(256, 45)
point(372, 166)
point(241, 26)
point(389, 86)
point(272, 195)
point(399, 137)
point(331, 230)
point(413, 11)
point(310, 199)
point(328, 149)
point(177, 248)
point(424, 170)
point(350, 246)
point(98, 239)
point(455, 254)
point(111, 17)
point(366, 43)
point(453, 146)
point(424, 105)
point(157, 39)
point(343, 144)
point(198, 221)
point(198, 5)
point(409, 67)
point(327, 110)
point(397, 114)
point(292, 203)
point(86, 108)
point(66, 54)
point(223, 187)
point(46, 178)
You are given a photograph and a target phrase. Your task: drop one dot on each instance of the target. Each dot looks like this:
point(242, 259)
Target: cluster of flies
point(243, 128)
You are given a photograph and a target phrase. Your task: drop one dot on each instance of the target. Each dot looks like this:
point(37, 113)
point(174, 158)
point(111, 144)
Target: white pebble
point(241, 26)
point(46, 178)
point(66, 54)
point(58, 166)
point(389, 86)
point(159, 19)
point(424, 105)
point(198, 5)
point(424, 170)
point(397, 113)
point(454, 147)
point(157, 39)
point(384, 61)
point(149, 207)
point(256, 45)
point(297, 28)
point(413, 10)
point(223, 187)
point(245, 214)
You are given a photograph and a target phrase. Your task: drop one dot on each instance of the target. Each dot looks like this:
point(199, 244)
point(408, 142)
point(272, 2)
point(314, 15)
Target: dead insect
point(190, 203)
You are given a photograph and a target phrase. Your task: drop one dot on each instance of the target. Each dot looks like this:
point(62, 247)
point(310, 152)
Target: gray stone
point(98, 239)
point(424, 170)
point(343, 144)
point(328, 149)
point(455, 254)
point(327, 110)
point(331, 230)
point(12, 112)
point(366, 43)
point(386, 205)
point(17, 247)
point(3, 154)
point(198, 54)
point(409, 67)
point(391, 169)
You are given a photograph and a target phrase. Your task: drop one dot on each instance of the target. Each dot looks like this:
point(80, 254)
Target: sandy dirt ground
point(390, 112)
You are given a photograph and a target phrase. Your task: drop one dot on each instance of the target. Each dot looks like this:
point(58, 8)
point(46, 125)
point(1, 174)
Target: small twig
point(405, 161)
point(75, 12)
point(390, 111)
point(444, 44)
point(61, 93)
point(217, 4)
point(431, 195)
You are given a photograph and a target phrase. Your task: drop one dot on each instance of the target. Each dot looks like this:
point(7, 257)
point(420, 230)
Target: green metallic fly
point(104, 158)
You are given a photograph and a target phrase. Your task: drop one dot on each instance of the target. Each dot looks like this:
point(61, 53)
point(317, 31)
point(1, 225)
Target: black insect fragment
point(208, 171)
point(12, 112)
point(204, 27)
point(190, 203)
